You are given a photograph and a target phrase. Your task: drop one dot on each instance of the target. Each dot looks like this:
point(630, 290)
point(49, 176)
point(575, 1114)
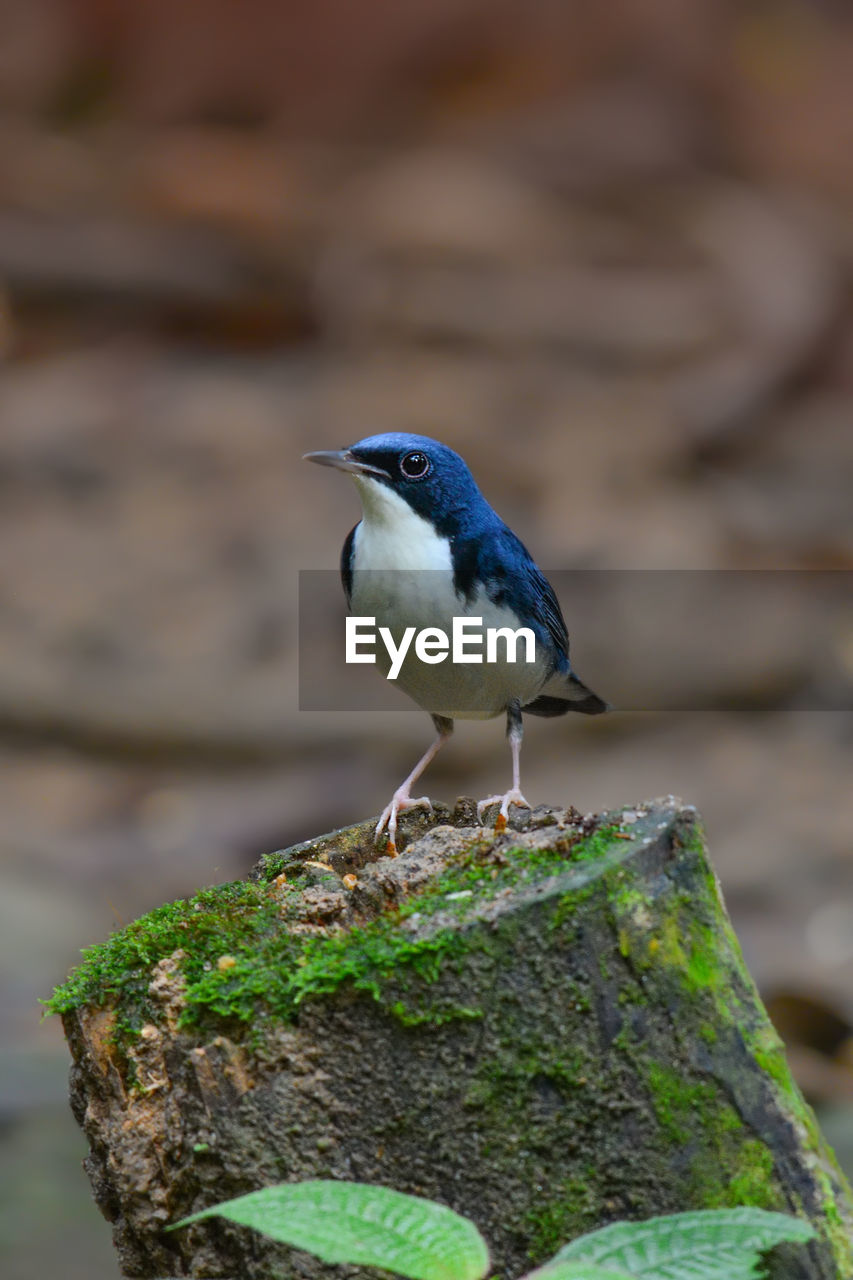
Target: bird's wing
point(514, 579)
point(346, 564)
point(550, 611)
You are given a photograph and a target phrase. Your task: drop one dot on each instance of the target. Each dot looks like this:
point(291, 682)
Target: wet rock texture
point(550, 1051)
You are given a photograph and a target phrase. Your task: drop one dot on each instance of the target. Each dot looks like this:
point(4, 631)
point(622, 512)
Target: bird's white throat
point(393, 536)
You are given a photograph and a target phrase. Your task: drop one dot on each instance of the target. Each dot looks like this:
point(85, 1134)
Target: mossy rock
point(546, 1029)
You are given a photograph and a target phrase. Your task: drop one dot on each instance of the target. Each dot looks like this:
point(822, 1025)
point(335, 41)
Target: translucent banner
point(649, 640)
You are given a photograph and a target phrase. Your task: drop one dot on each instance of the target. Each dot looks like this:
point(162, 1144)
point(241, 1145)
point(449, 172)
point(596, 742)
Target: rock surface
point(547, 1029)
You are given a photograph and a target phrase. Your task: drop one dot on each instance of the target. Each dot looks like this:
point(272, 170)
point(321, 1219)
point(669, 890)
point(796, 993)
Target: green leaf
point(362, 1225)
point(712, 1244)
point(576, 1271)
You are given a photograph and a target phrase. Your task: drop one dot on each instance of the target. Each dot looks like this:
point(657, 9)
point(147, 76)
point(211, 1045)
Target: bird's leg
point(401, 798)
point(514, 732)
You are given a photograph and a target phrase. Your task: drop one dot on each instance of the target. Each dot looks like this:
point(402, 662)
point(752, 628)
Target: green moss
point(231, 918)
point(594, 846)
point(696, 944)
point(689, 835)
point(753, 1183)
point(574, 1201)
point(837, 1230)
point(273, 970)
point(505, 1082)
point(691, 947)
point(728, 1168)
point(604, 849)
point(432, 1014)
point(677, 1102)
point(769, 1053)
point(745, 1177)
point(708, 965)
point(685, 939)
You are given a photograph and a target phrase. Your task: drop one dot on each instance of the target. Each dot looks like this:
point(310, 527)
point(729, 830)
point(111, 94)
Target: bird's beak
point(344, 461)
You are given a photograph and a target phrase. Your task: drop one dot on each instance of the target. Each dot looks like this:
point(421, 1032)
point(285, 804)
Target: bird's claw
point(510, 797)
point(388, 818)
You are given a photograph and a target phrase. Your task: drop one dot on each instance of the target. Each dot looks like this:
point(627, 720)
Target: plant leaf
point(363, 1225)
point(711, 1244)
point(576, 1271)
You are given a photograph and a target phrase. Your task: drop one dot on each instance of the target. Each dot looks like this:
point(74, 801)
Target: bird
point(428, 549)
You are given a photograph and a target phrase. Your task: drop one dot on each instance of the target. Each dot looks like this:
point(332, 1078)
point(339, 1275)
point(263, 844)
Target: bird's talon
point(482, 806)
point(388, 820)
point(511, 797)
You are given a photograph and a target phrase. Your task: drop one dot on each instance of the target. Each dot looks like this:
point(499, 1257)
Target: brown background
point(603, 251)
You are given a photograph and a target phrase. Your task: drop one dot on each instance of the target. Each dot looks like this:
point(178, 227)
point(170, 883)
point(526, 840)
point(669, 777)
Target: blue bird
point(429, 549)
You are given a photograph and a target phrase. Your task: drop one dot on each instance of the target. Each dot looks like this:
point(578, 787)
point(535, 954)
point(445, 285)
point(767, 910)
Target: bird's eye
point(414, 466)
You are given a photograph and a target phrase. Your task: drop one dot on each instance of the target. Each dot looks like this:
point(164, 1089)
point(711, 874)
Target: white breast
point(402, 569)
point(403, 577)
point(392, 535)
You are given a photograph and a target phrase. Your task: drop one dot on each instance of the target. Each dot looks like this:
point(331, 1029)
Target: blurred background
point(606, 252)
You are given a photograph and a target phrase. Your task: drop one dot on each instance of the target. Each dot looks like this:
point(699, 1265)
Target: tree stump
point(547, 1029)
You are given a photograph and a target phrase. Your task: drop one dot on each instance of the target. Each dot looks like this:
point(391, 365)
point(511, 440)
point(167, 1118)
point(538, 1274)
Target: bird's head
point(428, 476)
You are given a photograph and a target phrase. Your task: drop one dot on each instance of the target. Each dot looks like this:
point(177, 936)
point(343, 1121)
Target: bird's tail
point(565, 693)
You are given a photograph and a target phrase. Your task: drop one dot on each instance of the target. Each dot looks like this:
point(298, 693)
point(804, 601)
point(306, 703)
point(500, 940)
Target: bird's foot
point(511, 797)
point(388, 821)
